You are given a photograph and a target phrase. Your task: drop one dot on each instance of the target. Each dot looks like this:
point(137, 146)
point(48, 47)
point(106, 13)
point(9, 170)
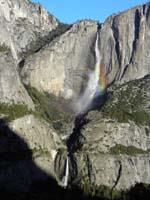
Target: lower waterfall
point(64, 182)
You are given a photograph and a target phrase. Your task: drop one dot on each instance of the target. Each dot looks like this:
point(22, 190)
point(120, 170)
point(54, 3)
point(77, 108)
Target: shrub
point(48, 106)
point(129, 150)
point(102, 191)
point(41, 41)
point(129, 102)
point(13, 111)
point(4, 48)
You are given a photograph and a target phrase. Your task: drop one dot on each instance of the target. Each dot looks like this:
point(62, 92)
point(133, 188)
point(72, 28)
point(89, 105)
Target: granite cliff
point(44, 68)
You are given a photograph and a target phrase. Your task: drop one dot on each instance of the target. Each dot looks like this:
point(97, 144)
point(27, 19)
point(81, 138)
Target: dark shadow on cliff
point(76, 139)
point(21, 178)
point(99, 101)
point(138, 192)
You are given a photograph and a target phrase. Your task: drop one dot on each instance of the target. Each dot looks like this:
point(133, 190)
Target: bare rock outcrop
point(12, 90)
point(124, 45)
point(20, 24)
point(62, 66)
point(119, 172)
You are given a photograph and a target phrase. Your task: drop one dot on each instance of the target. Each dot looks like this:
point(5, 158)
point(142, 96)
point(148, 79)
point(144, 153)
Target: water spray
point(96, 84)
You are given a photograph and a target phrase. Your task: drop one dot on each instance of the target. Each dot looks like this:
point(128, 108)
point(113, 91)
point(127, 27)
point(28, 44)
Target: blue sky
point(68, 11)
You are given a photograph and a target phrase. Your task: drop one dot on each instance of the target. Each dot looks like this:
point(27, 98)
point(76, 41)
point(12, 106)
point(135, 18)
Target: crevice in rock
point(116, 37)
point(73, 168)
point(119, 174)
point(144, 7)
point(89, 167)
point(76, 139)
point(136, 33)
point(118, 178)
point(115, 31)
point(20, 66)
point(148, 11)
point(124, 71)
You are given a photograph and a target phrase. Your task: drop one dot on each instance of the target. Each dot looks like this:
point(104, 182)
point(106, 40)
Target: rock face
point(20, 24)
point(37, 133)
point(28, 148)
point(11, 89)
point(103, 134)
point(124, 46)
point(62, 67)
point(119, 172)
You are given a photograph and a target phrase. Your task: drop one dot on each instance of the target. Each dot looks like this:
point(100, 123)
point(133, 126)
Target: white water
point(92, 90)
point(64, 182)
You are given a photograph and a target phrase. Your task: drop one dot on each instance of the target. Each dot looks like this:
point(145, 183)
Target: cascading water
point(95, 86)
point(64, 182)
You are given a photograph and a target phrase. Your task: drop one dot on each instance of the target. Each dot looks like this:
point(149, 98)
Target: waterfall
point(93, 89)
point(64, 182)
point(96, 86)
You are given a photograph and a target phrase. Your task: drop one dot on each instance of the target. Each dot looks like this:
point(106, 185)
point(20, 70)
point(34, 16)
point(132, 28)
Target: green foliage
point(128, 103)
point(47, 105)
point(43, 40)
point(61, 150)
point(13, 111)
point(129, 150)
point(41, 151)
point(102, 191)
point(118, 112)
point(87, 189)
point(4, 48)
point(137, 192)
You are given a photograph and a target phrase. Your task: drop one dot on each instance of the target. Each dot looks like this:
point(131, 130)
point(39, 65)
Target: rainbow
point(100, 73)
point(96, 85)
point(102, 80)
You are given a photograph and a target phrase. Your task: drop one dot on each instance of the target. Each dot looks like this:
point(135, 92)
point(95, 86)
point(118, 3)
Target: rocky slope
point(44, 67)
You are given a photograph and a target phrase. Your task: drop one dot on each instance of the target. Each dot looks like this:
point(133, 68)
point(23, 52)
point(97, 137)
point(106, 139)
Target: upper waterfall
point(96, 83)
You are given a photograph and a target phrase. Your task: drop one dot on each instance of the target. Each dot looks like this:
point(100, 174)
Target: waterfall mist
point(93, 88)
